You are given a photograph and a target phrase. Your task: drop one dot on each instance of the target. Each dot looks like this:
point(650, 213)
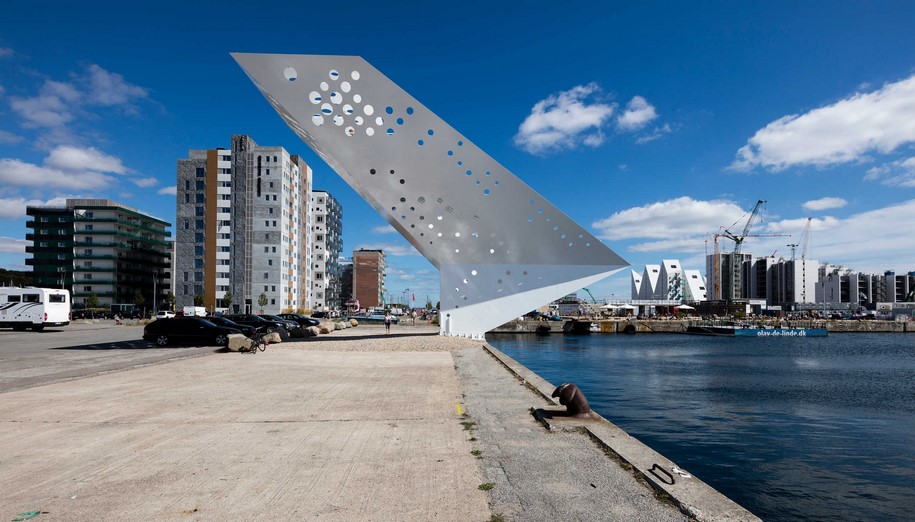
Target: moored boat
point(748, 330)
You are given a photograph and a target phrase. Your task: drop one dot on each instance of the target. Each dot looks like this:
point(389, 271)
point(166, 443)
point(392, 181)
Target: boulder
point(274, 337)
point(353, 322)
point(326, 328)
point(238, 342)
point(312, 331)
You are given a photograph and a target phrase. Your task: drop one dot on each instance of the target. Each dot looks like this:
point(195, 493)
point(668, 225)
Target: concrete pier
point(355, 425)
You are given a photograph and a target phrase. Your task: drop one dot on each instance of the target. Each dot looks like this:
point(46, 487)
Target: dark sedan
point(248, 331)
point(301, 320)
point(286, 322)
point(195, 330)
point(257, 321)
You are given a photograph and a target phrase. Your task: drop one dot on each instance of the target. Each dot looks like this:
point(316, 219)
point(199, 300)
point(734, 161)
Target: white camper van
point(34, 308)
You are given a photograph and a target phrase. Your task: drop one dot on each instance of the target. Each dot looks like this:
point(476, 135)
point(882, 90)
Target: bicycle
point(259, 342)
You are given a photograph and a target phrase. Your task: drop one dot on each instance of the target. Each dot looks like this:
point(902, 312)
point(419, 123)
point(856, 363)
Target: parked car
point(319, 315)
point(257, 321)
point(289, 325)
point(164, 314)
point(302, 320)
point(195, 330)
point(219, 320)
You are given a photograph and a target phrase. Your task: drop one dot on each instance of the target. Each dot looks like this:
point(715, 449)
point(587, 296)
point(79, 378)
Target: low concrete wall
point(679, 326)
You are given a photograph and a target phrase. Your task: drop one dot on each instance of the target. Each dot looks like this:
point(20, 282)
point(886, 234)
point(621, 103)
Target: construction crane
point(735, 257)
point(716, 263)
point(593, 301)
point(805, 241)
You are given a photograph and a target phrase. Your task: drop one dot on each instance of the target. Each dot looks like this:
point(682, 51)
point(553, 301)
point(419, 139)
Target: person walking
point(387, 322)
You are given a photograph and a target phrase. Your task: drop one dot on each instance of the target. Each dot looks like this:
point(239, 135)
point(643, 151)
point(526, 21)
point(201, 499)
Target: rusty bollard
point(573, 399)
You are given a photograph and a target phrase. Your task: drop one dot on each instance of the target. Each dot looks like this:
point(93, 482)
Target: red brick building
point(368, 277)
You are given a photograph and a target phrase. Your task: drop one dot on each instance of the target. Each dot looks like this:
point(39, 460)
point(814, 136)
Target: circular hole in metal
point(460, 163)
point(508, 272)
point(420, 143)
point(402, 182)
point(457, 234)
point(451, 153)
point(354, 75)
point(379, 121)
point(499, 281)
point(404, 200)
point(465, 281)
point(350, 131)
point(460, 144)
point(368, 110)
point(438, 218)
point(317, 119)
point(457, 250)
point(431, 225)
point(400, 121)
point(327, 109)
point(347, 109)
point(358, 120)
point(430, 132)
point(474, 235)
point(345, 87)
point(421, 199)
point(290, 74)
point(324, 86)
point(369, 131)
point(570, 243)
point(372, 171)
point(491, 251)
point(357, 98)
point(338, 120)
point(315, 97)
point(562, 236)
point(530, 219)
point(392, 171)
point(555, 227)
point(409, 110)
point(587, 244)
point(390, 132)
point(486, 192)
point(336, 98)
point(478, 182)
point(333, 74)
point(439, 234)
point(389, 110)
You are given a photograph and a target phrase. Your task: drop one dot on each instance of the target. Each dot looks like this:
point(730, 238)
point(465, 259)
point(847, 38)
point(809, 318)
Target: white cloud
point(10, 245)
point(674, 219)
point(168, 191)
point(108, 89)
point(144, 182)
point(14, 208)
point(637, 115)
point(900, 173)
point(5, 52)
point(866, 242)
point(824, 203)
point(57, 103)
point(383, 229)
point(390, 249)
point(563, 120)
point(848, 130)
point(17, 172)
point(686, 244)
point(8, 138)
point(657, 132)
point(71, 158)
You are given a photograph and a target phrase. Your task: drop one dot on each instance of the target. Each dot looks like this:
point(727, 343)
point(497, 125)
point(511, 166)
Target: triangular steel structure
point(501, 248)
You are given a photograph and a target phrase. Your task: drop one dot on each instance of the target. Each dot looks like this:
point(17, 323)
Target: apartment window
point(43, 243)
point(268, 172)
point(89, 239)
point(187, 184)
point(274, 223)
point(87, 276)
point(319, 237)
point(88, 227)
point(319, 275)
point(199, 198)
point(198, 237)
point(270, 210)
point(60, 244)
point(266, 249)
point(266, 288)
point(274, 197)
point(88, 215)
point(198, 276)
point(266, 223)
point(200, 172)
point(87, 252)
point(274, 159)
point(187, 197)
point(185, 289)
point(43, 232)
point(44, 219)
point(273, 301)
point(201, 185)
point(274, 250)
point(273, 288)
point(87, 289)
point(186, 278)
point(198, 250)
point(198, 224)
point(87, 264)
point(266, 275)
point(271, 184)
point(187, 224)
point(198, 289)
point(269, 262)
point(198, 263)
point(320, 219)
point(199, 211)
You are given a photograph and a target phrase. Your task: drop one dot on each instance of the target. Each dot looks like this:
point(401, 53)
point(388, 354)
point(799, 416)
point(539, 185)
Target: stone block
point(238, 342)
point(353, 322)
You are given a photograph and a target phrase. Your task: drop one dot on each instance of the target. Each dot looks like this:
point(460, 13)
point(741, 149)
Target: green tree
point(227, 300)
point(438, 305)
point(138, 298)
point(428, 303)
point(92, 300)
point(198, 300)
point(170, 300)
point(262, 299)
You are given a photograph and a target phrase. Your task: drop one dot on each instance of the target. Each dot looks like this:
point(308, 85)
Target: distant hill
point(15, 278)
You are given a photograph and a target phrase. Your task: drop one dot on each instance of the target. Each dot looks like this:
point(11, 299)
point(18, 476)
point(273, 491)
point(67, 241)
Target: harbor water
point(790, 428)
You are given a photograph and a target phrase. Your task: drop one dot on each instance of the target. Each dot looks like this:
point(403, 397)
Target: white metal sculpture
point(501, 248)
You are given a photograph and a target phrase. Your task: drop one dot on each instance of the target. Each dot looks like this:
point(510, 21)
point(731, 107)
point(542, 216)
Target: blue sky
point(652, 124)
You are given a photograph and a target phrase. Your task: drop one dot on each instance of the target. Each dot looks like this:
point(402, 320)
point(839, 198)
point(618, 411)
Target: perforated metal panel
point(501, 248)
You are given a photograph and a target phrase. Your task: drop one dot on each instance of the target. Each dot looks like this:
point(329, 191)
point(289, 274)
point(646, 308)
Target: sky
point(651, 124)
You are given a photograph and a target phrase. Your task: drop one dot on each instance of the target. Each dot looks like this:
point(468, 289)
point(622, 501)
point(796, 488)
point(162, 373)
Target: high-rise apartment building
point(242, 229)
point(368, 277)
point(327, 243)
point(97, 246)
